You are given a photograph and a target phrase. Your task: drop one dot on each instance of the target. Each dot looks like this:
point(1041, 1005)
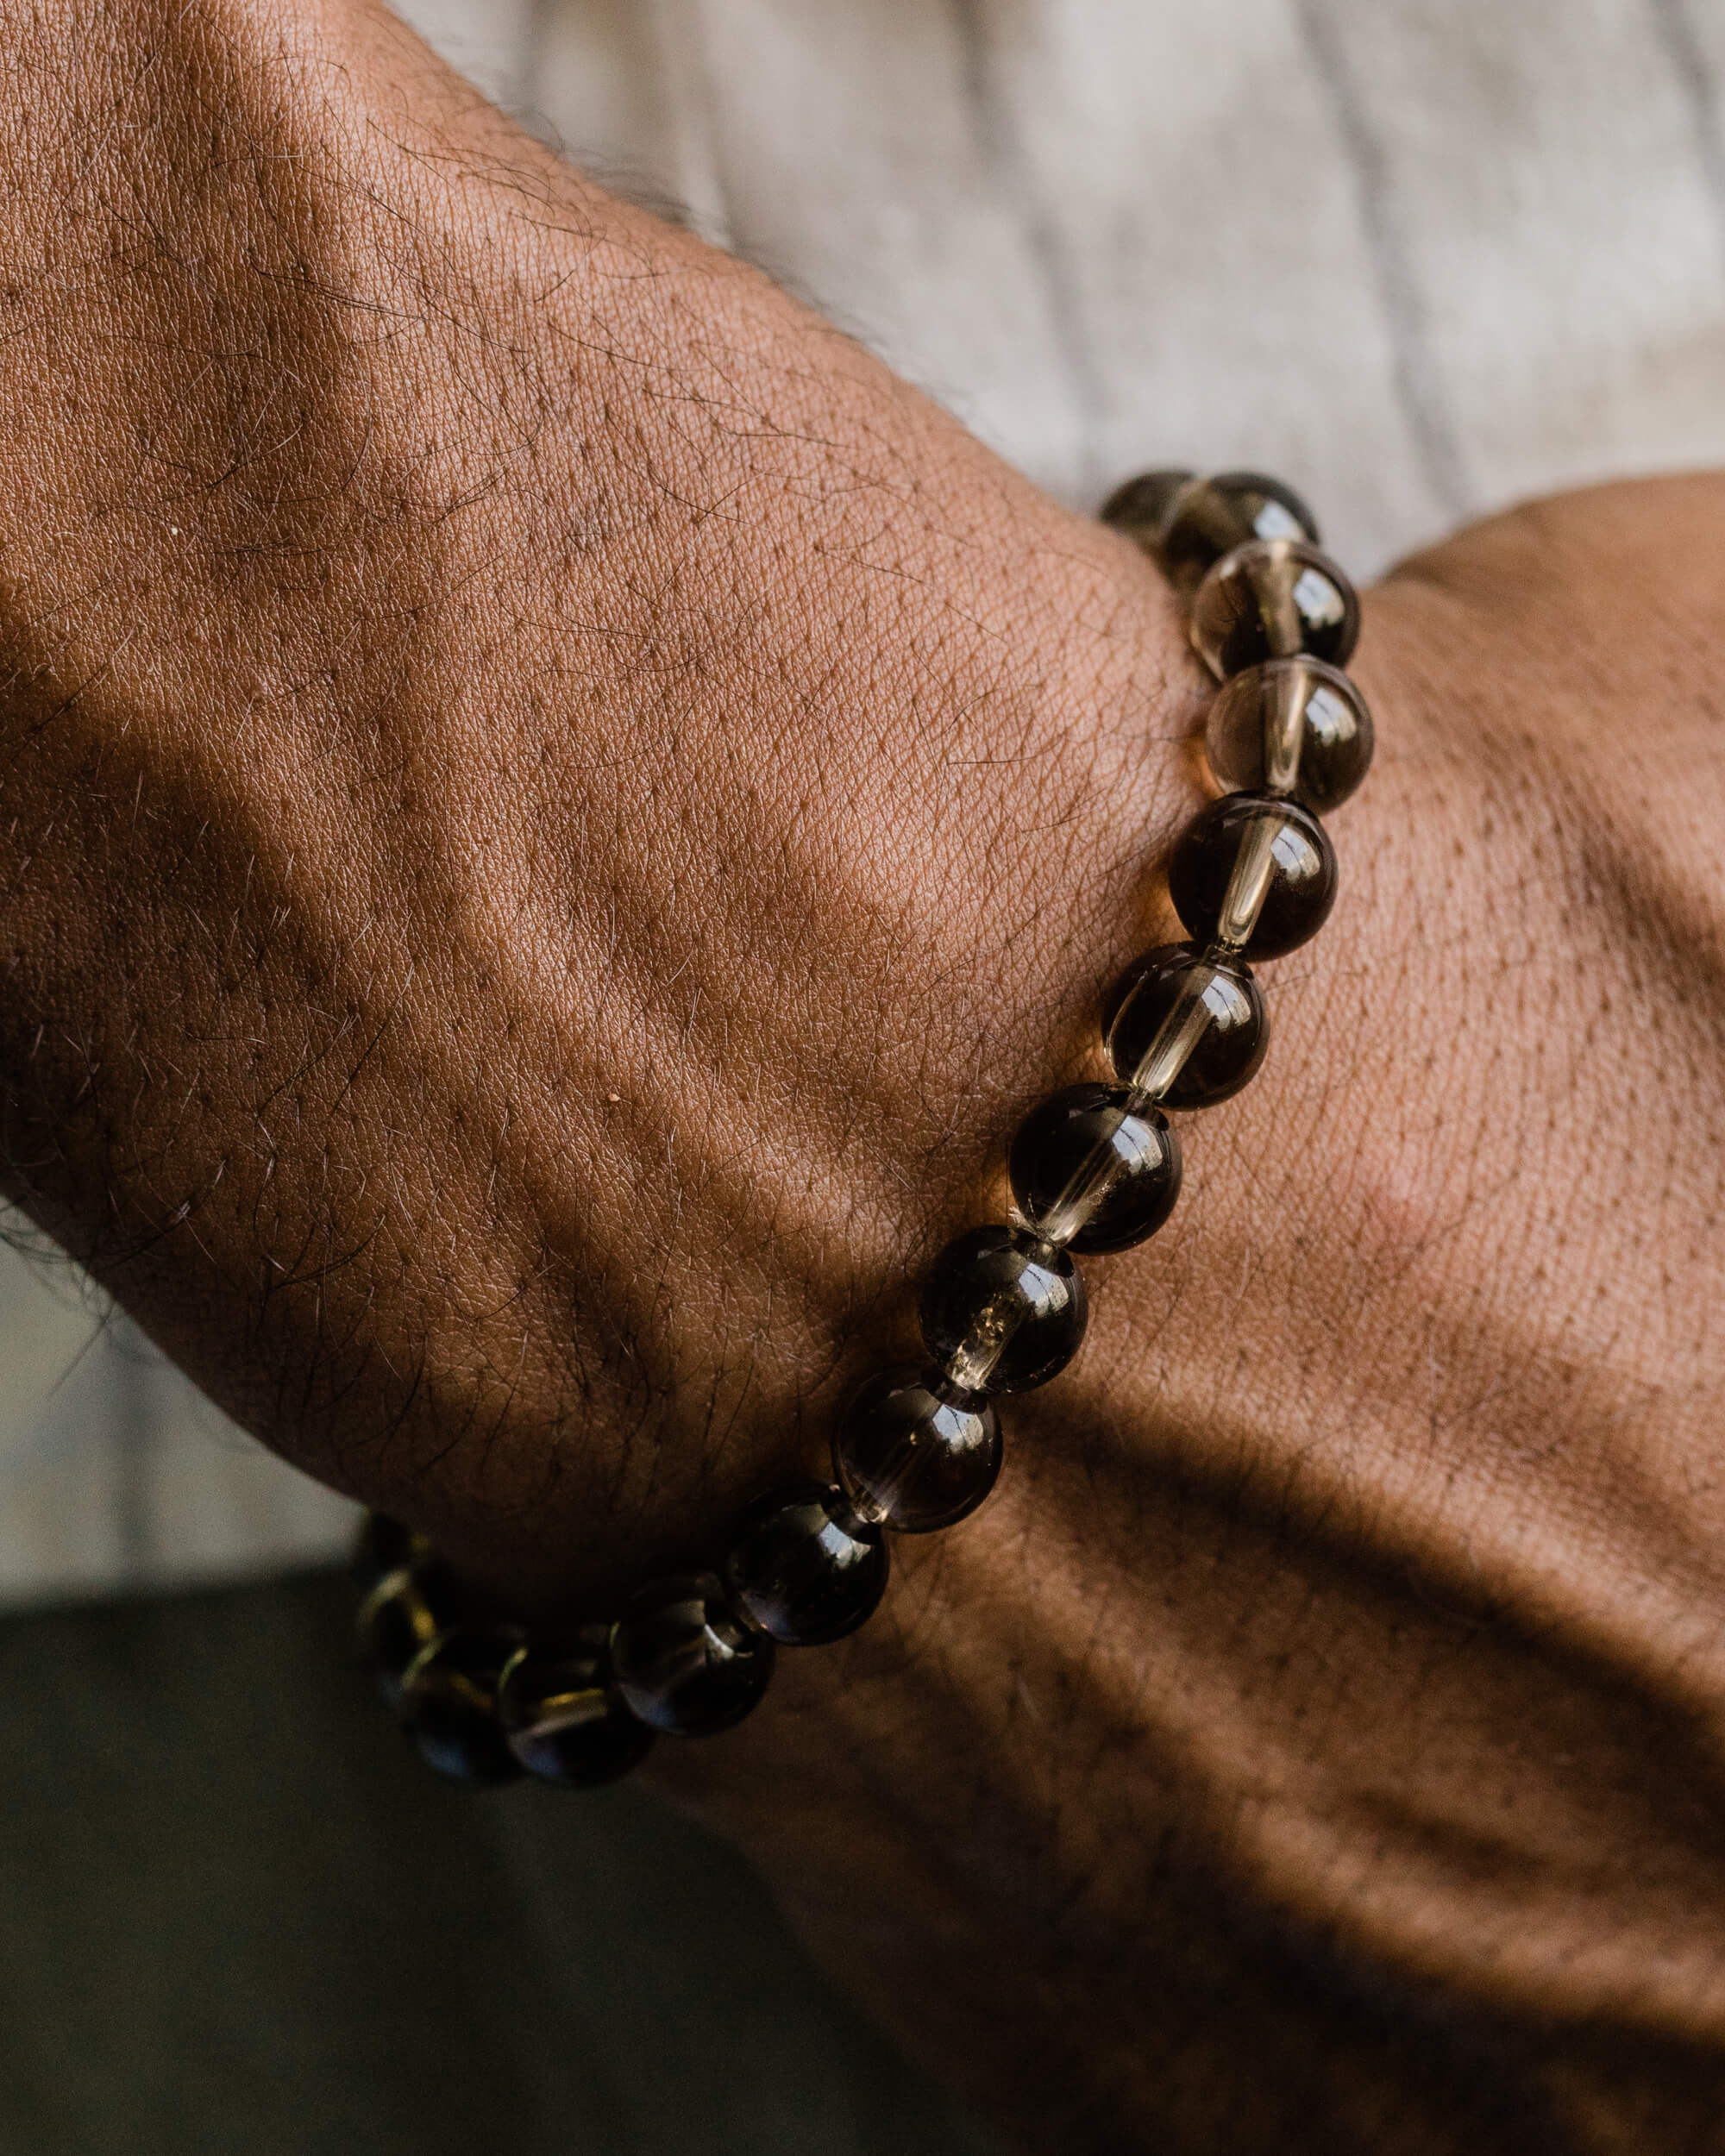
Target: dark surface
point(801, 1572)
point(1139, 507)
point(241, 1917)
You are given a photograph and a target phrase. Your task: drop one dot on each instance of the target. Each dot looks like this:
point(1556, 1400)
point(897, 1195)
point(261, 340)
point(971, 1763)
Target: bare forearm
point(554, 816)
point(540, 712)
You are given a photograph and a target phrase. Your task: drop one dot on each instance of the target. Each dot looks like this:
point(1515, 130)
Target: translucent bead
point(1254, 874)
point(1002, 1311)
point(562, 1718)
point(1139, 509)
point(912, 1455)
point(1269, 599)
point(404, 1613)
point(1211, 516)
point(449, 1706)
point(684, 1662)
point(1096, 1168)
point(804, 1571)
point(1292, 726)
point(1185, 1029)
point(383, 1546)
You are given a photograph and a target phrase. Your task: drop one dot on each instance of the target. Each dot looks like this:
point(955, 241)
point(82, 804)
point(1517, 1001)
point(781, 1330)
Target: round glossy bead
point(404, 1613)
point(383, 1546)
point(561, 1716)
point(1189, 1030)
point(1092, 1169)
point(1293, 875)
point(1140, 507)
point(1002, 1311)
point(1269, 599)
point(684, 1662)
point(1292, 726)
point(805, 1572)
point(449, 1706)
point(913, 1455)
point(1211, 516)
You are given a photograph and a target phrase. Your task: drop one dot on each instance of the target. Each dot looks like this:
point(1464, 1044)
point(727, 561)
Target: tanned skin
point(554, 816)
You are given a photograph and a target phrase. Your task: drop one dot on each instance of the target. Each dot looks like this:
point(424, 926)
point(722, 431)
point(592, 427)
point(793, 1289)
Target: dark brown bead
point(1211, 516)
point(1002, 1311)
point(1095, 1168)
point(1295, 875)
point(562, 1716)
point(684, 1662)
point(1271, 598)
point(1139, 509)
point(449, 1706)
point(384, 1545)
point(914, 1454)
point(805, 1568)
point(405, 1611)
point(1216, 1042)
point(1292, 726)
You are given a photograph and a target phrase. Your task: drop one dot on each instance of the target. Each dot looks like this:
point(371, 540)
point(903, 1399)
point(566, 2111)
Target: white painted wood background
point(1422, 256)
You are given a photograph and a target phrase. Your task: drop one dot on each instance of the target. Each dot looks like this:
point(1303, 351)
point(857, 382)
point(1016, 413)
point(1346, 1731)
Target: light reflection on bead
point(1185, 1029)
point(803, 1571)
point(1210, 516)
point(1096, 1168)
point(383, 1545)
point(449, 1706)
point(1248, 857)
point(562, 1717)
point(684, 1662)
point(914, 1455)
point(1271, 598)
point(404, 1613)
point(1290, 726)
point(1002, 1311)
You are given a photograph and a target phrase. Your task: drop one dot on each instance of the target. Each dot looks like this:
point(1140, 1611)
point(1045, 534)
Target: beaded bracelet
point(1095, 1169)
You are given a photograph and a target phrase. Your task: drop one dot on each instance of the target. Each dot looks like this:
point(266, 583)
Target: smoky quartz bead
point(1002, 1311)
point(449, 1706)
point(1140, 507)
point(806, 1570)
point(1293, 726)
point(1255, 873)
point(1211, 516)
point(1185, 1030)
point(914, 1454)
point(684, 1662)
point(1095, 1168)
point(1269, 599)
point(404, 1613)
point(561, 1716)
point(384, 1545)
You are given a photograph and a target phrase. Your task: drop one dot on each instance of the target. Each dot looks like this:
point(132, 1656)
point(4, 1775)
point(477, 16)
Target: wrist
point(527, 922)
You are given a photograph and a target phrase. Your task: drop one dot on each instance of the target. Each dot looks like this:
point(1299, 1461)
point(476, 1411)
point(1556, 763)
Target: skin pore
point(553, 818)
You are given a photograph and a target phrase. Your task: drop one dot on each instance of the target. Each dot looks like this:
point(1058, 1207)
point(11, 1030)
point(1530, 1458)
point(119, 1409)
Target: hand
point(1315, 1744)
